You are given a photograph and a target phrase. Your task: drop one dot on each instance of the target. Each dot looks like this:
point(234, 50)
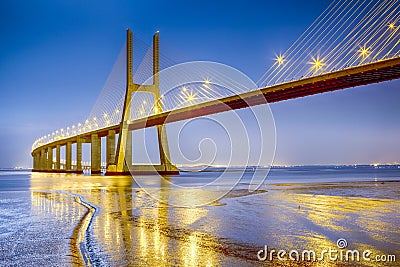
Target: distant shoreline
point(309, 167)
point(14, 169)
point(253, 168)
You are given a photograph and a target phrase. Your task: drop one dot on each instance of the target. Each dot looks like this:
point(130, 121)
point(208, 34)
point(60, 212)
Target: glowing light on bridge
point(105, 115)
point(364, 51)
point(392, 26)
point(279, 59)
point(207, 83)
point(191, 97)
point(184, 89)
point(317, 63)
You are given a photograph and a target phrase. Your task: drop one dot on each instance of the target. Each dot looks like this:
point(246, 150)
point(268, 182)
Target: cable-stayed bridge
point(352, 43)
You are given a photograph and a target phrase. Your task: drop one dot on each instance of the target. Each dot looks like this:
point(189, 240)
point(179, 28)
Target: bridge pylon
point(122, 163)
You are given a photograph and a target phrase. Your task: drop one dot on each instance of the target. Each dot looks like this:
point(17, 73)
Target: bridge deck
point(355, 76)
point(351, 77)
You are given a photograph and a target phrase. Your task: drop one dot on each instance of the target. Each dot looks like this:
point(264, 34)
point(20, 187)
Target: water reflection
point(130, 228)
point(119, 224)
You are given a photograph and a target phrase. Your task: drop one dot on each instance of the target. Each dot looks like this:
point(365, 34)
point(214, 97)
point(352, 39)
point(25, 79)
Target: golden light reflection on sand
point(131, 228)
point(143, 239)
point(333, 214)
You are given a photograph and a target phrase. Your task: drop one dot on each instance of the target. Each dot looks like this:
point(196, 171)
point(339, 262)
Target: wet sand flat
point(109, 221)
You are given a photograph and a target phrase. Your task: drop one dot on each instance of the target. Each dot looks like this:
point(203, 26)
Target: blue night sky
point(56, 55)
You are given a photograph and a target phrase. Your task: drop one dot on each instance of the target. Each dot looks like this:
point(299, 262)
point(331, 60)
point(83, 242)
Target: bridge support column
point(49, 158)
point(166, 166)
point(95, 154)
point(128, 152)
point(58, 158)
point(164, 149)
point(79, 155)
point(110, 149)
point(123, 157)
point(68, 156)
point(35, 162)
point(42, 160)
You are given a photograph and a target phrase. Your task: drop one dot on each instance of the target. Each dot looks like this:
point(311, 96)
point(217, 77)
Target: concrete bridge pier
point(35, 165)
point(35, 162)
point(58, 158)
point(42, 160)
point(79, 155)
point(110, 149)
point(95, 154)
point(123, 158)
point(128, 152)
point(68, 157)
point(49, 159)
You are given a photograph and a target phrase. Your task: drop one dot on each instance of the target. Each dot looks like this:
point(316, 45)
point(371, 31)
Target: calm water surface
point(59, 219)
